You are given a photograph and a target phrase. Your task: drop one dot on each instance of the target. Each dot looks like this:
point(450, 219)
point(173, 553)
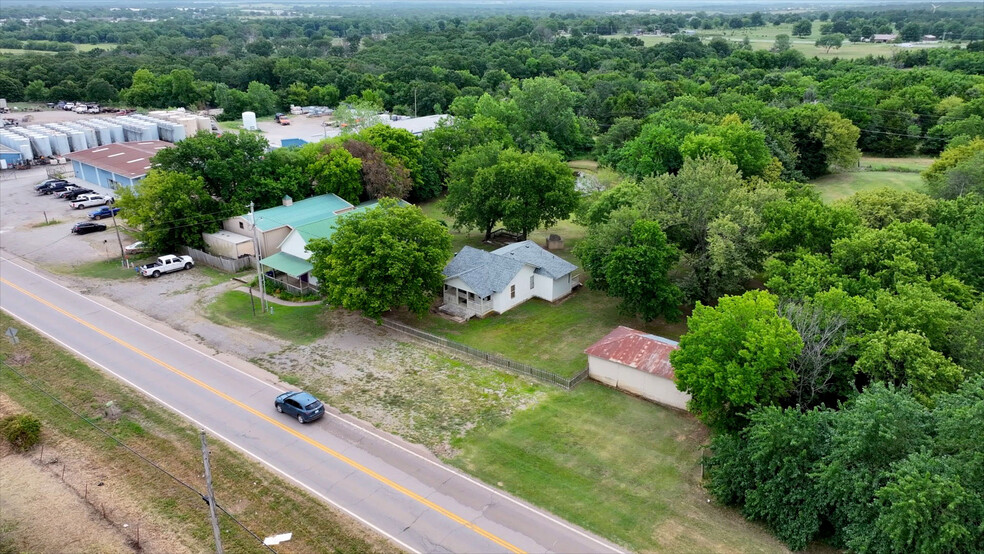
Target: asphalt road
point(418, 503)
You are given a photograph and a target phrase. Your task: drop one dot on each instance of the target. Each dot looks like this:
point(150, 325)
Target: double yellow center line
point(384, 480)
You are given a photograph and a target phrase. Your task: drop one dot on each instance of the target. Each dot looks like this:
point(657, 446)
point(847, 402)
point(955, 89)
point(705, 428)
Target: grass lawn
point(105, 269)
point(617, 465)
point(841, 185)
point(913, 164)
point(544, 335)
point(299, 324)
point(264, 502)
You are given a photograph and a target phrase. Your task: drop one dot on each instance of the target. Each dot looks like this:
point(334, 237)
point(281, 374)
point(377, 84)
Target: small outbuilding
point(229, 245)
point(638, 363)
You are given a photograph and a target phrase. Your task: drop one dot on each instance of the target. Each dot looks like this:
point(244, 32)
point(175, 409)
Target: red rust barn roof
point(637, 350)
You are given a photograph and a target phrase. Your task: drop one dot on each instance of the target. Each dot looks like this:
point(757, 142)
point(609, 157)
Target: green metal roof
point(325, 228)
point(299, 213)
point(284, 262)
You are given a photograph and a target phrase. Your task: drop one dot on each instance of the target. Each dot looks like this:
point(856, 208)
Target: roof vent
point(288, 201)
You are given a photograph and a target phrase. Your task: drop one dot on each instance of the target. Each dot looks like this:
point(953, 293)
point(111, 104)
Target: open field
point(763, 37)
point(617, 465)
point(172, 517)
point(897, 173)
point(841, 185)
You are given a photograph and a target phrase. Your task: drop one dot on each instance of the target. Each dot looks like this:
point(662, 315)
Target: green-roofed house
point(291, 263)
point(274, 224)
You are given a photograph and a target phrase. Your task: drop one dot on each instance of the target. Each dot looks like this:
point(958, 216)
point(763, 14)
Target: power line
point(132, 451)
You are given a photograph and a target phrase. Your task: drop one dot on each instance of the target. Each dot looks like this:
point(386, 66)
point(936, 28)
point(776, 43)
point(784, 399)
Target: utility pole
point(112, 212)
point(211, 497)
point(259, 272)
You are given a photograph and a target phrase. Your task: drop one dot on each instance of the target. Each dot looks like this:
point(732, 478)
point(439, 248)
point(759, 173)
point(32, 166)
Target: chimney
point(288, 201)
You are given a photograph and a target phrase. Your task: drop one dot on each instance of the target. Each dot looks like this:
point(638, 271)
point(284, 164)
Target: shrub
point(23, 431)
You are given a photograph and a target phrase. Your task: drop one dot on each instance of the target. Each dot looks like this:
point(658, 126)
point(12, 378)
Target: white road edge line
point(339, 418)
point(224, 439)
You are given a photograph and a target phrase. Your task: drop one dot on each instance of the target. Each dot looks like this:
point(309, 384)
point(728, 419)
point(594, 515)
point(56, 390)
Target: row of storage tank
point(59, 139)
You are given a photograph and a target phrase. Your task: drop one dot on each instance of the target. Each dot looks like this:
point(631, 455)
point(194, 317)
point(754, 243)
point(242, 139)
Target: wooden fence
point(494, 359)
point(228, 265)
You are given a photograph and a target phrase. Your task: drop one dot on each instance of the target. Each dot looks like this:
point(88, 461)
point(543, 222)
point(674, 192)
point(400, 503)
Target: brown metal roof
point(637, 350)
point(129, 159)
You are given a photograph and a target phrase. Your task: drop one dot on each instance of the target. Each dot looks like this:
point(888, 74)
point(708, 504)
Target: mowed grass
point(298, 324)
point(624, 468)
point(544, 335)
point(262, 501)
point(105, 269)
point(914, 164)
point(842, 185)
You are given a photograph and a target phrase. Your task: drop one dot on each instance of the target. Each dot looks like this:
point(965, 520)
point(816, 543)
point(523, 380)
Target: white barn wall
point(649, 386)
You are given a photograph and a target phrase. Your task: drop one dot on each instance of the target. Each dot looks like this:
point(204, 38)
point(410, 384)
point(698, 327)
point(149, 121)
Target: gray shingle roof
point(531, 253)
point(482, 271)
point(490, 272)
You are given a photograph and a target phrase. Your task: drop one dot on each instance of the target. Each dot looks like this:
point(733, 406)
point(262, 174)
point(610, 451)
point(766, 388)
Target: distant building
point(884, 38)
point(9, 157)
point(116, 165)
point(929, 38)
point(638, 363)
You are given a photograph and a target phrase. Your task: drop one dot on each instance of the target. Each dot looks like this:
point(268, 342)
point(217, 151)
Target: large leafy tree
point(336, 171)
point(400, 144)
point(824, 139)
point(905, 358)
point(629, 259)
point(381, 259)
point(171, 209)
point(227, 163)
point(522, 190)
point(734, 357)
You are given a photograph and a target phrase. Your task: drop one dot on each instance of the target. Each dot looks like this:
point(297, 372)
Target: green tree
point(262, 99)
point(905, 358)
point(35, 91)
point(11, 88)
point(880, 207)
point(924, 507)
point(937, 175)
point(655, 151)
point(768, 471)
point(803, 28)
point(382, 259)
point(399, 143)
point(99, 90)
point(143, 89)
point(734, 357)
point(781, 44)
point(226, 163)
point(523, 190)
point(833, 40)
point(337, 172)
point(824, 139)
point(171, 209)
point(635, 269)
point(546, 105)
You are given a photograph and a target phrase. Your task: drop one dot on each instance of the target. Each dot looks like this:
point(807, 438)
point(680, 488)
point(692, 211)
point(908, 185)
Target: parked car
point(105, 211)
point(85, 227)
point(53, 187)
point(48, 182)
point(301, 405)
point(72, 195)
point(166, 264)
point(90, 200)
point(66, 191)
point(135, 248)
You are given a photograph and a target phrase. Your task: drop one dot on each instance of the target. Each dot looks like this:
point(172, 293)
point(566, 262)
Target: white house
point(478, 282)
point(638, 363)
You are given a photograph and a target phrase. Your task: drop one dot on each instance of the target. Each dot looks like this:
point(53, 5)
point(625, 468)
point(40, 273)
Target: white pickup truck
point(166, 264)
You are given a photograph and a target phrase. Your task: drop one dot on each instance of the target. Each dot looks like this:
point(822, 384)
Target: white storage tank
point(249, 121)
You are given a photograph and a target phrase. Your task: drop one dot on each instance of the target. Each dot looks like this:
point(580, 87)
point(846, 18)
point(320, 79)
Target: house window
point(531, 281)
point(241, 225)
point(471, 296)
point(512, 291)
